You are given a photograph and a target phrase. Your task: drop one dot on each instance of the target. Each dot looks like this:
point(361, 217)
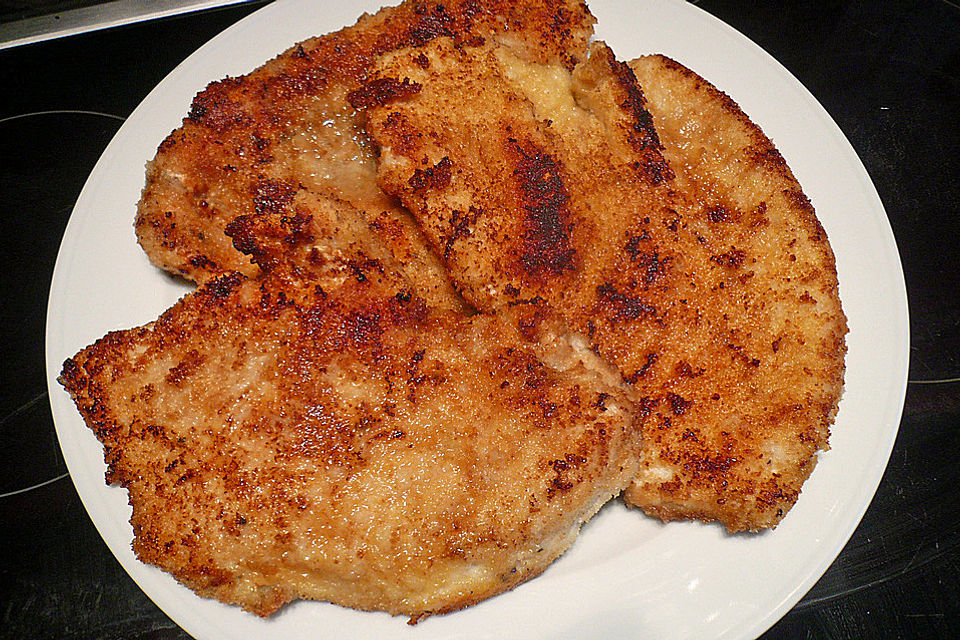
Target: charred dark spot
point(215, 109)
point(422, 61)
point(469, 40)
point(546, 248)
point(381, 91)
point(698, 465)
point(414, 376)
point(363, 328)
point(169, 142)
point(410, 312)
point(642, 371)
point(430, 23)
point(298, 227)
point(315, 257)
point(646, 405)
point(678, 403)
point(187, 475)
point(642, 135)
point(390, 434)
point(549, 409)
point(619, 306)
point(633, 244)
point(760, 215)
point(185, 368)
point(535, 300)
point(684, 370)
point(651, 266)
point(561, 482)
point(777, 494)
point(559, 26)
point(461, 226)
point(274, 301)
point(259, 147)
point(798, 199)
point(720, 213)
point(740, 354)
point(654, 168)
point(766, 155)
point(601, 401)
point(530, 319)
point(733, 258)
point(435, 177)
point(567, 462)
point(224, 285)
point(200, 261)
point(361, 266)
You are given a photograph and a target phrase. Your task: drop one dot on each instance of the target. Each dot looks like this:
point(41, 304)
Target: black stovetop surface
point(888, 72)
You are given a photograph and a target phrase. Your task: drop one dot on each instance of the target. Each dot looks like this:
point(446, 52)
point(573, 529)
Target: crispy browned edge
point(239, 116)
point(772, 504)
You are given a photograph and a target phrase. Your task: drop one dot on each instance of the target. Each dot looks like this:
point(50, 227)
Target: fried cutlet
point(772, 275)
point(287, 129)
point(334, 438)
point(534, 182)
point(545, 183)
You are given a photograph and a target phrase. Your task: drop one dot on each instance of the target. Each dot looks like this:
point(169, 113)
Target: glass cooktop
point(26, 21)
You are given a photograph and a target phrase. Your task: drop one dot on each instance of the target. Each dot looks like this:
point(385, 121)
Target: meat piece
point(333, 438)
point(260, 142)
point(537, 182)
point(762, 408)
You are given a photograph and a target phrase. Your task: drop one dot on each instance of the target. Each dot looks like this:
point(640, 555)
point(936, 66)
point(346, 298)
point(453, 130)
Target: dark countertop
point(888, 72)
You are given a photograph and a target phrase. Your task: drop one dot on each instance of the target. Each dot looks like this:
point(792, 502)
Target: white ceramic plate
point(627, 576)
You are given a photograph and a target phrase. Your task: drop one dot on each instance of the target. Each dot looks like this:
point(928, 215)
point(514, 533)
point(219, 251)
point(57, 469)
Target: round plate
point(627, 576)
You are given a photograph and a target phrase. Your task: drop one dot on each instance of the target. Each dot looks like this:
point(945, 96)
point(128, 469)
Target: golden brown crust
point(289, 122)
point(545, 195)
point(322, 419)
point(555, 187)
point(333, 438)
point(771, 386)
point(492, 186)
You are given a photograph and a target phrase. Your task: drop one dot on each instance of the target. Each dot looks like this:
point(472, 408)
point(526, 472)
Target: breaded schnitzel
point(324, 418)
point(772, 278)
point(535, 182)
point(286, 129)
point(320, 419)
point(333, 438)
point(538, 182)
